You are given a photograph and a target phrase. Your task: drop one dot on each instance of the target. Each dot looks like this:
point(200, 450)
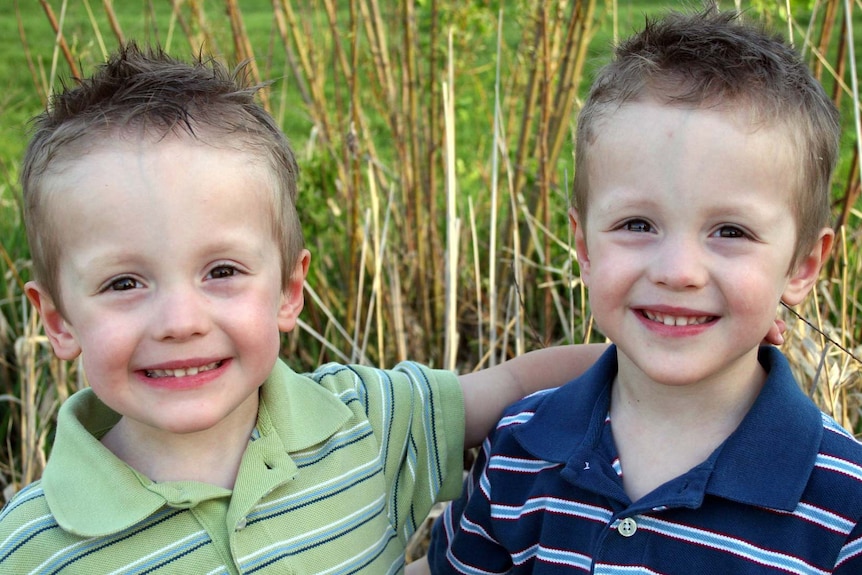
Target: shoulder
point(407, 400)
point(835, 482)
point(568, 411)
point(839, 451)
point(353, 373)
point(522, 411)
point(532, 402)
point(576, 401)
point(544, 428)
point(797, 442)
point(407, 380)
point(417, 415)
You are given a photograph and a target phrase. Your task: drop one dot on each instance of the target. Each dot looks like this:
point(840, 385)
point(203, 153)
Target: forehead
point(71, 142)
point(159, 183)
point(134, 156)
point(164, 201)
point(661, 150)
point(624, 132)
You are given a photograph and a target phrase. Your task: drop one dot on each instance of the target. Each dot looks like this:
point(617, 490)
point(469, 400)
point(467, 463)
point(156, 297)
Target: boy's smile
point(688, 240)
point(672, 318)
point(159, 373)
point(170, 278)
point(194, 375)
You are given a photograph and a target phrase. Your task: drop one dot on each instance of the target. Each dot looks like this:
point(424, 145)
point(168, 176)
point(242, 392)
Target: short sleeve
point(417, 414)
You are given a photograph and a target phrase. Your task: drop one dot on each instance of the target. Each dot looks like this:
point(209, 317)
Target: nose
point(182, 313)
point(679, 264)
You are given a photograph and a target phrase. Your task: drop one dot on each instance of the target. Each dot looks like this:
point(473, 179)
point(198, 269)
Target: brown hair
point(713, 59)
point(147, 93)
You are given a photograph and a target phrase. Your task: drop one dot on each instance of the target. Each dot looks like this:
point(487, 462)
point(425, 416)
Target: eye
point(124, 284)
point(729, 231)
point(223, 271)
point(637, 225)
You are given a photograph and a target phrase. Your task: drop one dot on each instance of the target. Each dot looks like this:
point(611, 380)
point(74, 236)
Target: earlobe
point(58, 330)
point(292, 298)
point(580, 244)
point(803, 278)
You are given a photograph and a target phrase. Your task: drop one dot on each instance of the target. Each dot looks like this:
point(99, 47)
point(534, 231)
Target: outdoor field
point(435, 146)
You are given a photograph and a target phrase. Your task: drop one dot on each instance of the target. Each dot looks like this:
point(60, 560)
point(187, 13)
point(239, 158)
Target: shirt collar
point(571, 418)
point(93, 493)
point(766, 461)
point(307, 413)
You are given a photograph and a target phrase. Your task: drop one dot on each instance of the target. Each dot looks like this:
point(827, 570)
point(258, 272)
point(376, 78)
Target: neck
point(726, 395)
point(662, 430)
point(209, 456)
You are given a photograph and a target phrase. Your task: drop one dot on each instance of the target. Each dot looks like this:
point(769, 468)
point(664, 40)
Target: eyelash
point(737, 232)
point(630, 225)
point(639, 225)
point(226, 267)
point(129, 283)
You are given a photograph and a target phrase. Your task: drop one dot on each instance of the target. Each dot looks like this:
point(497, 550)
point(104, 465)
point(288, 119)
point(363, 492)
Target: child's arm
point(487, 392)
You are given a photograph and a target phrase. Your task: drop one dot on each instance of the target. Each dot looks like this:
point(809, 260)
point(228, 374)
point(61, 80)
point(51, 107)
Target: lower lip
point(185, 382)
point(673, 330)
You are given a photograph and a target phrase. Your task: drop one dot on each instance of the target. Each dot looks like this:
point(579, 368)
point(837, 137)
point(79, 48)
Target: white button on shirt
point(627, 527)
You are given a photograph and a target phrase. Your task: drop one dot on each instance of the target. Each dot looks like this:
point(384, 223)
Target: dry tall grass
point(434, 183)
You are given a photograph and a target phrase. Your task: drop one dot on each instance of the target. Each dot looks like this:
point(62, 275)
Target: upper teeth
point(182, 372)
point(676, 320)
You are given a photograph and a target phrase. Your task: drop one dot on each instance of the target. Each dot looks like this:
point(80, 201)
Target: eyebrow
point(108, 258)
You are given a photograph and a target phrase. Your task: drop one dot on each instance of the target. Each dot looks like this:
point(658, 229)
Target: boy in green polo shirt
point(168, 256)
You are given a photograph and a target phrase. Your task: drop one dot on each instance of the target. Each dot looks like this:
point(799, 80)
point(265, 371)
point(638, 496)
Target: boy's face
point(170, 280)
point(688, 240)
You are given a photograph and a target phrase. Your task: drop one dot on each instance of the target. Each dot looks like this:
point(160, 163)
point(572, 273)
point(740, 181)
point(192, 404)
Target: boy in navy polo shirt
point(702, 187)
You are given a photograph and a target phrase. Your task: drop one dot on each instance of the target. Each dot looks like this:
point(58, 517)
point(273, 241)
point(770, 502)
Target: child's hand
point(418, 567)
point(775, 334)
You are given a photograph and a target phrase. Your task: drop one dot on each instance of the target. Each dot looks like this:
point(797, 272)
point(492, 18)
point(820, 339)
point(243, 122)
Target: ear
point(580, 245)
point(292, 298)
point(803, 278)
point(58, 330)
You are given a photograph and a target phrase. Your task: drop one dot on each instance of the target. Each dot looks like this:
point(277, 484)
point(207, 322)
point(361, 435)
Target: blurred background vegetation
point(434, 138)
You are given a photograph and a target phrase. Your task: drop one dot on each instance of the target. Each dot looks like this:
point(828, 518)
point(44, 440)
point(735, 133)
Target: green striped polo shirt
point(344, 463)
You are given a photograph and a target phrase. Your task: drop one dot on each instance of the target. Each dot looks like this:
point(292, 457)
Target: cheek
point(255, 322)
point(609, 282)
point(257, 307)
point(104, 371)
point(106, 343)
point(610, 267)
point(104, 354)
point(755, 295)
